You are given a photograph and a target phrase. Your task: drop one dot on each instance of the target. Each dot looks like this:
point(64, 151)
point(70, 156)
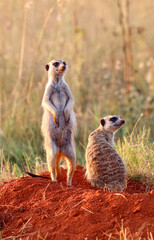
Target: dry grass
point(125, 234)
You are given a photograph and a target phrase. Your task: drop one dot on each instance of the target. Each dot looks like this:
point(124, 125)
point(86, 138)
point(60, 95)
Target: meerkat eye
point(64, 63)
point(113, 119)
point(56, 64)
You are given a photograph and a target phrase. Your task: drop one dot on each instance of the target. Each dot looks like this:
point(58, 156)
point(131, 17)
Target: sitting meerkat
point(58, 121)
point(104, 167)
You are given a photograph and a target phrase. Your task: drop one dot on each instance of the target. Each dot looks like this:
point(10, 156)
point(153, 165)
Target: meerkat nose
point(63, 67)
point(122, 121)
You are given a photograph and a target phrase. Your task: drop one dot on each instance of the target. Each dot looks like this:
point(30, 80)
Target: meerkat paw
point(67, 115)
point(56, 119)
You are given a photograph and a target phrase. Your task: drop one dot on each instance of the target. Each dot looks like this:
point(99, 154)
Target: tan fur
point(104, 167)
point(58, 122)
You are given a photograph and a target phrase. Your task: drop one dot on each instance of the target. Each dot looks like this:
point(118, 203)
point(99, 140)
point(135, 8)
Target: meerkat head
point(56, 68)
point(112, 123)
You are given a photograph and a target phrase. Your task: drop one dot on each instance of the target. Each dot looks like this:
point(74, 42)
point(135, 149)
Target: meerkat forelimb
point(104, 167)
point(58, 121)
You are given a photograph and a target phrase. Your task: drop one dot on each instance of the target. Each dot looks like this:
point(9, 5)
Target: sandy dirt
point(36, 208)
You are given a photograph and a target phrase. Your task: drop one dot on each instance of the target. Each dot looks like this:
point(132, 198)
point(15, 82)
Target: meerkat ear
point(102, 122)
point(47, 67)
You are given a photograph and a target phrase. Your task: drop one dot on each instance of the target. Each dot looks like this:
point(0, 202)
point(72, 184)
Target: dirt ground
point(36, 208)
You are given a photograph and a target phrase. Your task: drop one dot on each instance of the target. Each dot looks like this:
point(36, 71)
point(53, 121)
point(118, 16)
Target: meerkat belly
point(61, 137)
point(62, 134)
point(59, 99)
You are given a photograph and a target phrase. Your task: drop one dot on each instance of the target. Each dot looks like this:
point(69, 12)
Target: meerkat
point(58, 121)
point(104, 167)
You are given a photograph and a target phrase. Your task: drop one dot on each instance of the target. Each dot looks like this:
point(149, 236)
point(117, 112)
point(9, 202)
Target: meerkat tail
point(34, 175)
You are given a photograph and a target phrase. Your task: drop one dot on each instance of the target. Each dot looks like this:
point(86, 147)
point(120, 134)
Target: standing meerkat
point(104, 167)
point(58, 121)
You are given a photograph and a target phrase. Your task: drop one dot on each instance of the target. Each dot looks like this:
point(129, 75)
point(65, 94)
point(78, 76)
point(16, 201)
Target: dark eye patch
point(56, 64)
point(64, 63)
point(113, 119)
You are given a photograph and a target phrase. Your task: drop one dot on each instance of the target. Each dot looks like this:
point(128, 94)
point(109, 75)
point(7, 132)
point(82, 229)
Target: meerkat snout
point(122, 122)
point(62, 68)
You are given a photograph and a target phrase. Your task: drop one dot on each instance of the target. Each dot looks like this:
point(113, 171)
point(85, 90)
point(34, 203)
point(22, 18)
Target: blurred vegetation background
point(109, 48)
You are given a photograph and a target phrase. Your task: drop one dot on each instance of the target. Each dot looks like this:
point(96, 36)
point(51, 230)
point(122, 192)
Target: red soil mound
point(36, 208)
